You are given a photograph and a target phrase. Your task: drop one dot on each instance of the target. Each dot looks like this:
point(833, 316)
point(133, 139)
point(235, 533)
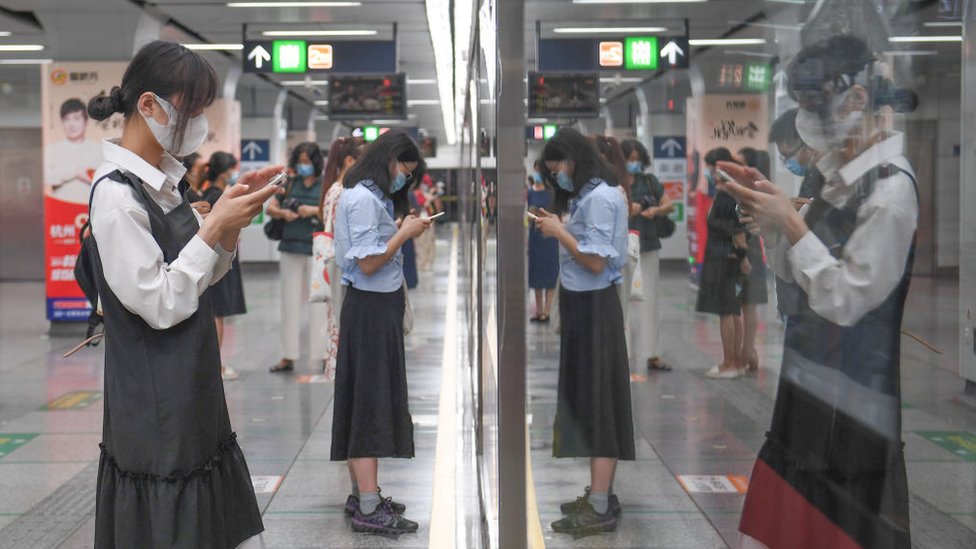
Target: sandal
point(536, 318)
point(544, 319)
point(284, 366)
point(656, 363)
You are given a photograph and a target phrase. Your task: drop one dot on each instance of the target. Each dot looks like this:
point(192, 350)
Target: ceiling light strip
point(608, 30)
point(25, 61)
point(293, 4)
point(727, 42)
point(639, 1)
point(214, 47)
point(923, 39)
point(21, 47)
point(358, 32)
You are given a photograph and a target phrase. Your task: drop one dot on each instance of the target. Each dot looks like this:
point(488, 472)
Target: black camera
point(646, 202)
point(291, 204)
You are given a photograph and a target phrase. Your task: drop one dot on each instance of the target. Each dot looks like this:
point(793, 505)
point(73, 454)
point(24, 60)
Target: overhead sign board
point(631, 53)
point(301, 56)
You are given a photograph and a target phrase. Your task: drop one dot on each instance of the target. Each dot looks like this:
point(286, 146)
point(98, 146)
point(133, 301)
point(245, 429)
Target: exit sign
point(640, 53)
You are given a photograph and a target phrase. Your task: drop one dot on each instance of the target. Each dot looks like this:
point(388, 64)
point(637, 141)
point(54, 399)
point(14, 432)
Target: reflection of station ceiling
point(774, 23)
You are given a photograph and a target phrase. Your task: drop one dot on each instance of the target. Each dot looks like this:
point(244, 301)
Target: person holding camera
point(648, 201)
point(299, 208)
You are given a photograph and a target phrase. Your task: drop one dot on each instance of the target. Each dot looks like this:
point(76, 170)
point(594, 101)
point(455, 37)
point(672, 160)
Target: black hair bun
point(104, 106)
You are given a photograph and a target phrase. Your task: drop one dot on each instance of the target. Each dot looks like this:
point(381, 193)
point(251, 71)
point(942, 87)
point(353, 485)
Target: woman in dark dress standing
point(228, 294)
point(171, 473)
point(725, 262)
point(543, 252)
point(371, 418)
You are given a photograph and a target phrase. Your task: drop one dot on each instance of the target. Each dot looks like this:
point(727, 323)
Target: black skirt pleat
point(593, 414)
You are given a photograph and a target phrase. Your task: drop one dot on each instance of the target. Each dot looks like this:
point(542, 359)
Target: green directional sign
point(678, 215)
point(960, 443)
point(758, 76)
point(290, 56)
point(640, 53)
point(10, 442)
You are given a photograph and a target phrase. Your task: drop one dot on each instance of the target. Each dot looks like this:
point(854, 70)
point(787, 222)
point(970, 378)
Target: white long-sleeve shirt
point(163, 294)
point(843, 290)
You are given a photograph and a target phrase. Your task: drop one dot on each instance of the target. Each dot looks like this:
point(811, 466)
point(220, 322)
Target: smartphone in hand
point(278, 179)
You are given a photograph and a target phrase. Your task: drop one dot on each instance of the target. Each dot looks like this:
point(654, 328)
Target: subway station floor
point(51, 409)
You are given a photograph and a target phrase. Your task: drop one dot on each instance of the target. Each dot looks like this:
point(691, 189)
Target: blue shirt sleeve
point(599, 218)
point(364, 215)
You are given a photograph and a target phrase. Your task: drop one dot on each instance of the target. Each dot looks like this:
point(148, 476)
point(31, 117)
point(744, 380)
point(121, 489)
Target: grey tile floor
point(686, 425)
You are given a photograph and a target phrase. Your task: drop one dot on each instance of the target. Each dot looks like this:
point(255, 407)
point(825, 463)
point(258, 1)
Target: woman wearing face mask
point(543, 252)
point(342, 155)
point(299, 207)
point(593, 417)
point(726, 262)
point(228, 294)
point(371, 414)
point(171, 472)
point(754, 291)
point(832, 470)
point(647, 201)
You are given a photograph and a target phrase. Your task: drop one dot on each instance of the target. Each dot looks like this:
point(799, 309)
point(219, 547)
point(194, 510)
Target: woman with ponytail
point(171, 473)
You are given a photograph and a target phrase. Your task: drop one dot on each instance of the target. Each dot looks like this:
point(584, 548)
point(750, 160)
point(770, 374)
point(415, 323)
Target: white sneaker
point(716, 373)
point(228, 374)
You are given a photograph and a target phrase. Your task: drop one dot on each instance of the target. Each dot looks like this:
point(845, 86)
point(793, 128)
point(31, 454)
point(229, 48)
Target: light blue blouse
point(599, 224)
point(364, 225)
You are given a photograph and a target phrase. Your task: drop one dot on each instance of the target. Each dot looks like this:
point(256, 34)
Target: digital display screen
point(561, 95)
point(367, 97)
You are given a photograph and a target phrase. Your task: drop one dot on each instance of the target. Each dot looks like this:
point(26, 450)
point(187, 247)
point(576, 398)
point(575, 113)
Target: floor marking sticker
point(265, 484)
point(10, 442)
point(75, 400)
point(961, 443)
point(714, 484)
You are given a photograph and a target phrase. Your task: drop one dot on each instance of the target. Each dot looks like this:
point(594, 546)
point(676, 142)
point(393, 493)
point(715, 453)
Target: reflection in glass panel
point(723, 242)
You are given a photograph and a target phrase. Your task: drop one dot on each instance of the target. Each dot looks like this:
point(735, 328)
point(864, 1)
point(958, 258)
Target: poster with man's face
point(72, 152)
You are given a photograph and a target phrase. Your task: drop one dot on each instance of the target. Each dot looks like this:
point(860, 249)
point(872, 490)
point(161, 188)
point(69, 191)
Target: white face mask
point(194, 135)
point(825, 135)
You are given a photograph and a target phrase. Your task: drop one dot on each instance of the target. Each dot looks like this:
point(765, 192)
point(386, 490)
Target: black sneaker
point(570, 506)
point(352, 505)
point(585, 521)
point(384, 520)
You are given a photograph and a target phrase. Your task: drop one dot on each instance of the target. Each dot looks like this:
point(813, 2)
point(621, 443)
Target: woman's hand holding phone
point(412, 226)
point(257, 180)
point(550, 225)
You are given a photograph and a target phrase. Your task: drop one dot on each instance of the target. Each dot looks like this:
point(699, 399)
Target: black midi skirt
point(371, 416)
point(593, 411)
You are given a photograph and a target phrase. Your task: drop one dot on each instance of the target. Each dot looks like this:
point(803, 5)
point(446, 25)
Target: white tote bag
point(323, 255)
point(633, 255)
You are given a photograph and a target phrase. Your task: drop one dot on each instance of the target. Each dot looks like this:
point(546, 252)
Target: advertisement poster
point(730, 121)
point(72, 153)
